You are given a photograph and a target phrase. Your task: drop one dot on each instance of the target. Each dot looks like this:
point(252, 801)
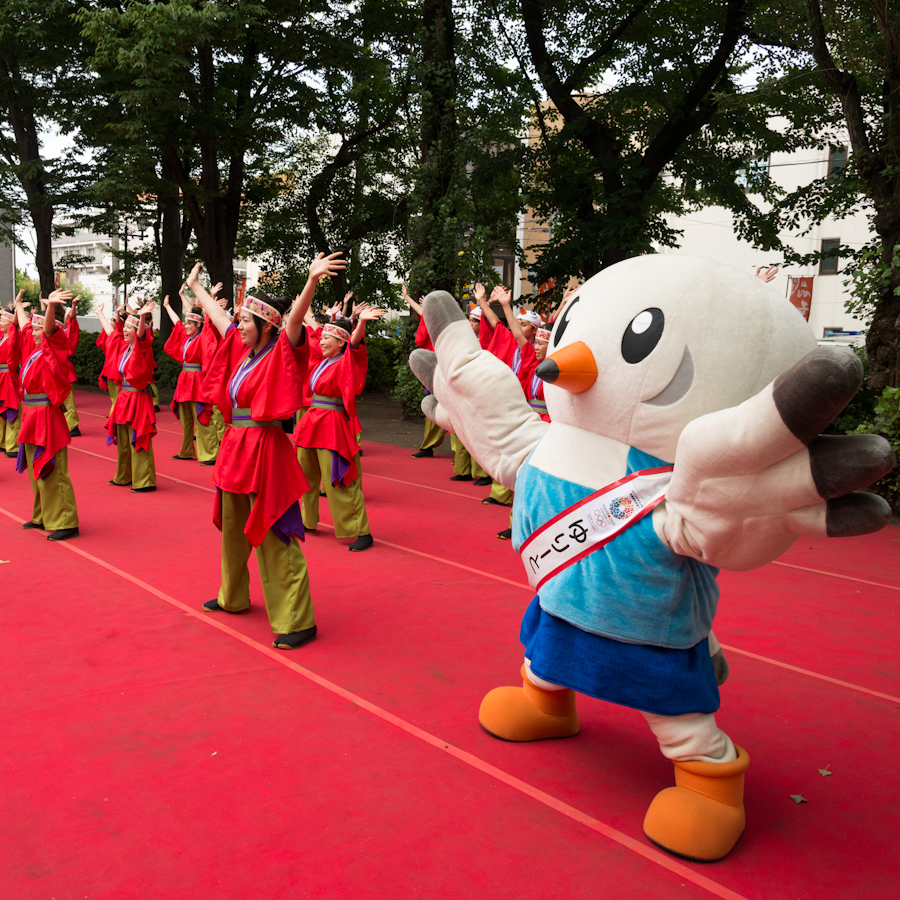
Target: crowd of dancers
point(266, 395)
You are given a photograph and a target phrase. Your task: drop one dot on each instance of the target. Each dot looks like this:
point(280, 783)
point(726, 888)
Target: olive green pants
point(463, 461)
point(9, 434)
point(69, 410)
point(137, 467)
point(113, 390)
point(207, 439)
point(282, 571)
point(218, 423)
point(501, 494)
point(347, 504)
point(434, 436)
point(54, 498)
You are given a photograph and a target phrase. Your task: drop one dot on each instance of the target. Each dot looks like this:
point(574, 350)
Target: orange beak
point(573, 368)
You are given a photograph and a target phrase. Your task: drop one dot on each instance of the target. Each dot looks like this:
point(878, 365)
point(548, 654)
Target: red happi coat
point(44, 371)
point(189, 387)
point(10, 356)
point(313, 337)
point(531, 384)
point(72, 329)
point(259, 460)
point(112, 349)
point(133, 408)
point(423, 338)
point(329, 429)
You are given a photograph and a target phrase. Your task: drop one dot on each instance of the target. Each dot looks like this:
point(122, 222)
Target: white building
point(710, 233)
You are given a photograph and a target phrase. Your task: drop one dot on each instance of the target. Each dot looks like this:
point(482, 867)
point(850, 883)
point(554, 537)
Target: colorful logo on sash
point(621, 507)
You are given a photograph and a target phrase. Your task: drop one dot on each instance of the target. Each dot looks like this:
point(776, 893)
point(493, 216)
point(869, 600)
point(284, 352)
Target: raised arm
point(213, 311)
point(412, 303)
point(169, 309)
point(56, 298)
point(321, 266)
point(21, 317)
point(366, 314)
point(504, 295)
point(486, 311)
point(104, 322)
point(145, 314)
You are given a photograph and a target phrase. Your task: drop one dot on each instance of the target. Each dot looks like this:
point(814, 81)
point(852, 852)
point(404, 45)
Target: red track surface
point(153, 751)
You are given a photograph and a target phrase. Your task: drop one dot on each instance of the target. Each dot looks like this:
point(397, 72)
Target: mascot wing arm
point(474, 394)
point(748, 481)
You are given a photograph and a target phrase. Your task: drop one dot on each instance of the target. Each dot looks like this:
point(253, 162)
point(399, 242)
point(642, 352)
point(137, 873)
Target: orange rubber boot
point(703, 817)
point(529, 713)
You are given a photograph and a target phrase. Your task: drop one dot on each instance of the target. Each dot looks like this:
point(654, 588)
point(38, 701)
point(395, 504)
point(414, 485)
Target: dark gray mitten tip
point(440, 309)
point(720, 667)
point(423, 363)
point(813, 391)
point(856, 514)
point(843, 464)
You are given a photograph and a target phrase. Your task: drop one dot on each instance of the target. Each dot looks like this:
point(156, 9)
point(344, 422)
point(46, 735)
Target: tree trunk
point(434, 256)
point(175, 232)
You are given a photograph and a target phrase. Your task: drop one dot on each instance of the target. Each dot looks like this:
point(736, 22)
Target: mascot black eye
point(642, 335)
point(563, 321)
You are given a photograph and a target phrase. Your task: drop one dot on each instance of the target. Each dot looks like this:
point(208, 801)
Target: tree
point(211, 85)
point(856, 47)
point(41, 83)
point(642, 110)
point(345, 185)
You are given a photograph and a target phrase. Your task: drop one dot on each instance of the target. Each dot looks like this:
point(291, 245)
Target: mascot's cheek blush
point(679, 385)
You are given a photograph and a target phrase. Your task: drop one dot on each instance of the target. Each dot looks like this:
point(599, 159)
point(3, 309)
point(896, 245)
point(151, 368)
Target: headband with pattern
point(133, 321)
point(5, 315)
point(37, 319)
point(194, 317)
point(336, 331)
point(542, 335)
point(263, 310)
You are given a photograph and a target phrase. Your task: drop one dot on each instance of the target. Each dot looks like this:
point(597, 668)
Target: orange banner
point(241, 293)
point(801, 294)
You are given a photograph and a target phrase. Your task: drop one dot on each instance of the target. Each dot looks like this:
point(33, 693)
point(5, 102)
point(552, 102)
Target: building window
point(837, 161)
point(755, 175)
point(828, 265)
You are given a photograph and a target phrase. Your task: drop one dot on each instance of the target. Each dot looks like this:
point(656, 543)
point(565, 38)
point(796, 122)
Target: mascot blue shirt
point(629, 622)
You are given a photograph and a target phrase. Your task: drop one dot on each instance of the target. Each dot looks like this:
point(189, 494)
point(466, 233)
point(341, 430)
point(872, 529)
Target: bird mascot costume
point(686, 401)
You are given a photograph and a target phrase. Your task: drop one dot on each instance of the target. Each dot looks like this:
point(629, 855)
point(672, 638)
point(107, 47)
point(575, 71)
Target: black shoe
point(505, 535)
point(322, 494)
point(363, 542)
point(63, 534)
point(116, 484)
point(423, 454)
point(213, 606)
point(483, 482)
point(155, 409)
point(492, 502)
point(295, 640)
point(12, 454)
point(179, 456)
point(75, 432)
point(32, 525)
point(207, 462)
point(143, 490)
point(461, 478)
